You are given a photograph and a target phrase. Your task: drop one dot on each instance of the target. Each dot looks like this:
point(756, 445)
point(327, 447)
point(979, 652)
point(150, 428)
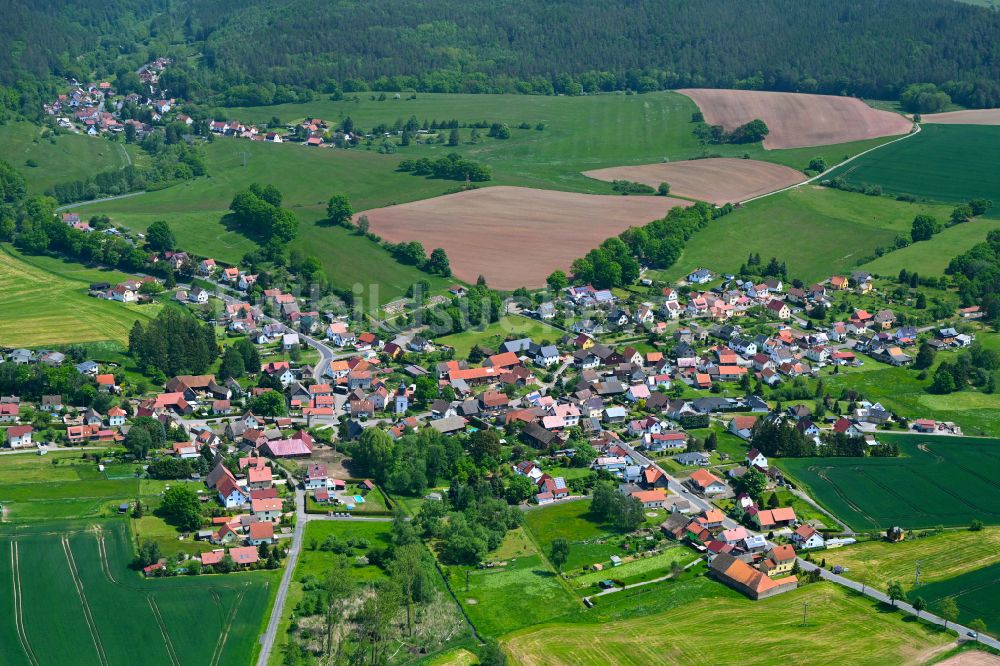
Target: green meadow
point(816, 231)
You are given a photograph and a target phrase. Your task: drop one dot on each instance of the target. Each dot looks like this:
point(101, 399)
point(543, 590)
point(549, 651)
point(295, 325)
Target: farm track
point(163, 630)
point(972, 472)
point(95, 634)
point(224, 634)
point(103, 551)
point(22, 635)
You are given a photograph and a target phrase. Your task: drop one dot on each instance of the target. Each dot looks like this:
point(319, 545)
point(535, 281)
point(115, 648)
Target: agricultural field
point(71, 574)
point(942, 556)
point(798, 120)
point(726, 623)
point(964, 117)
point(950, 163)
point(496, 333)
point(817, 231)
point(938, 480)
point(58, 158)
point(515, 236)
point(977, 594)
point(46, 303)
point(719, 181)
point(580, 133)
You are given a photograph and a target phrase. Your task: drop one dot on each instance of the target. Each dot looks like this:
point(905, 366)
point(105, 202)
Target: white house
point(547, 356)
point(19, 437)
point(289, 341)
point(198, 295)
point(806, 536)
point(756, 459)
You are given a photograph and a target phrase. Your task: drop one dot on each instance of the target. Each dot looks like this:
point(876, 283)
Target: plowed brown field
point(718, 180)
point(515, 236)
point(798, 120)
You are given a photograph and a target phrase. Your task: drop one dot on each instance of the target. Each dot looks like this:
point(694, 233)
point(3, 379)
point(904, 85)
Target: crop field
point(977, 594)
point(494, 334)
point(797, 120)
point(939, 480)
point(59, 158)
point(74, 576)
point(817, 231)
point(515, 236)
point(719, 181)
point(714, 620)
point(42, 307)
point(943, 163)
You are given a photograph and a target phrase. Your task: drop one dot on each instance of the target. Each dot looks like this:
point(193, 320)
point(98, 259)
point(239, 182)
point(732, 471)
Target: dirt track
point(515, 236)
point(970, 117)
point(972, 658)
point(798, 120)
point(719, 180)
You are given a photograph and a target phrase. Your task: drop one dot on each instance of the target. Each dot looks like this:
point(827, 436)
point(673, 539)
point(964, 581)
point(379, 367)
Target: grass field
point(942, 163)
point(74, 576)
point(932, 257)
point(899, 390)
point(948, 481)
point(572, 521)
point(816, 231)
point(317, 562)
point(645, 568)
point(45, 303)
point(712, 621)
point(493, 335)
point(60, 158)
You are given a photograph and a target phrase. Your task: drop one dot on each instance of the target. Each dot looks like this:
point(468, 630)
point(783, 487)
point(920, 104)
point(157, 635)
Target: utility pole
point(244, 156)
point(805, 609)
point(916, 580)
point(466, 580)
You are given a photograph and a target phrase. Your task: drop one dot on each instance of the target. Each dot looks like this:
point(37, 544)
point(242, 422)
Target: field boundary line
point(88, 616)
point(163, 630)
point(224, 634)
point(15, 573)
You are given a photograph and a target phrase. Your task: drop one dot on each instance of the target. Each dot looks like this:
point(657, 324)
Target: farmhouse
point(745, 579)
point(706, 483)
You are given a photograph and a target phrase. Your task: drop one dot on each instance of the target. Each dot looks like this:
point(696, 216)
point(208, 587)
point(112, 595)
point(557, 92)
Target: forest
point(272, 52)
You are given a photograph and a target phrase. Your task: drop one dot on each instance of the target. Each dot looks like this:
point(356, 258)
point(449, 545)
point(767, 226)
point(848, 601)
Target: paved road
point(962, 630)
point(267, 638)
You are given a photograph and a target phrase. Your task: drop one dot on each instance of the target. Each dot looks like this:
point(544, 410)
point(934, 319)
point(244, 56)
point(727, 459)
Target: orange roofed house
point(740, 576)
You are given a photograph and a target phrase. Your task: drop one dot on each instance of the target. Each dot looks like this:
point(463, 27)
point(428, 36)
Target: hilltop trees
point(923, 227)
point(258, 213)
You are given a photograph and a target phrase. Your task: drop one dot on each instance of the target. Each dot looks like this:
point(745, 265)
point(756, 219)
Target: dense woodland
point(269, 52)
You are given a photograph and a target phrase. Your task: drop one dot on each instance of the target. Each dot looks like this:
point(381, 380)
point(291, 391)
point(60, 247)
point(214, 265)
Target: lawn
point(948, 481)
point(521, 593)
point(74, 574)
point(816, 231)
point(943, 163)
point(46, 303)
point(317, 562)
point(645, 568)
point(493, 335)
point(588, 539)
point(942, 556)
point(59, 158)
point(725, 623)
